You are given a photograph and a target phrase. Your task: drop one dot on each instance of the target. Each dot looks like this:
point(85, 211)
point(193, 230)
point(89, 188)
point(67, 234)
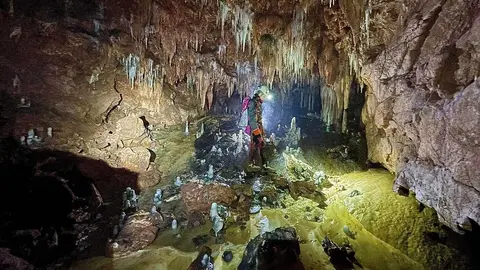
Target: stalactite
point(368, 11)
point(329, 105)
point(223, 10)
point(196, 42)
point(131, 64)
point(222, 51)
point(209, 96)
point(344, 121)
point(331, 3)
point(293, 52)
point(242, 25)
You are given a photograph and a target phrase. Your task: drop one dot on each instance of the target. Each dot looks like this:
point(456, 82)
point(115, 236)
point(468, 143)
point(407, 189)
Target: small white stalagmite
point(186, 129)
point(174, 224)
point(210, 171)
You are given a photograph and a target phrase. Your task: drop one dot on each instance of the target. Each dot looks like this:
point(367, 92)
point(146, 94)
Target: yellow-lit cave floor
point(389, 230)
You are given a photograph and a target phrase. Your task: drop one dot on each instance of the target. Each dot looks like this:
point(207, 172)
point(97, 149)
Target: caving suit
point(257, 132)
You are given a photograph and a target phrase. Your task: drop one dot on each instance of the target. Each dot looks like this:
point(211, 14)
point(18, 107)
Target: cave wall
point(416, 60)
point(422, 107)
point(67, 58)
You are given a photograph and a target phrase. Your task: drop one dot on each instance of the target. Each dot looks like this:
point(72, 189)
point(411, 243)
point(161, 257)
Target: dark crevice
point(112, 106)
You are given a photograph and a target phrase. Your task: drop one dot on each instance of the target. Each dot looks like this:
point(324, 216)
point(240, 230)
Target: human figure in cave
point(257, 132)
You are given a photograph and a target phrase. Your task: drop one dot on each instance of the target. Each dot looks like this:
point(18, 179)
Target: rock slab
point(278, 249)
point(138, 232)
point(199, 198)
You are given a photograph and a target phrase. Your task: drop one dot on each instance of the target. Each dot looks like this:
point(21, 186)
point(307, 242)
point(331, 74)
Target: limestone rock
point(301, 188)
point(130, 127)
point(198, 198)
point(138, 232)
point(149, 178)
point(136, 159)
point(132, 132)
point(297, 169)
point(10, 262)
point(423, 105)
point(436, 187)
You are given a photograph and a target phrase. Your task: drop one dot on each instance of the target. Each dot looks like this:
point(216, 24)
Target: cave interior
point(122, 144)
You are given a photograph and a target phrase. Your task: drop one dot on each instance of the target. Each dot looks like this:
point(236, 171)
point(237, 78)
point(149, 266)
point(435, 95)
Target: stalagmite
point(329, 105)
point(344, 121)
point(174, 224)
point(210, 172)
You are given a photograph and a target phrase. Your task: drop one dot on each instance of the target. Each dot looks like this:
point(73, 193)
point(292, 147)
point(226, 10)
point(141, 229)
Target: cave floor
point(386, 230)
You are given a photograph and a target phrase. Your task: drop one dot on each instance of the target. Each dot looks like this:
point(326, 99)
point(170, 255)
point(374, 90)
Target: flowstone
point(297, 169)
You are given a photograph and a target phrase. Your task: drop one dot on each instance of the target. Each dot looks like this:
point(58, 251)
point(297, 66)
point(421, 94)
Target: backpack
point(243, 123)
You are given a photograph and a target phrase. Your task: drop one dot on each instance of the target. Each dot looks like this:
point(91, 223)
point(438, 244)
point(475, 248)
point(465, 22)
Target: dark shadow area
point(468, 243)
point(57, 207)
point(280, 254)
point(278, 249)
point(342, 257)
point(58, 9)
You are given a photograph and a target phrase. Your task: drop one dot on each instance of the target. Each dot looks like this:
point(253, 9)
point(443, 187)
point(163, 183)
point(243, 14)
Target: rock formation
point(422, 108)
point(93, 69)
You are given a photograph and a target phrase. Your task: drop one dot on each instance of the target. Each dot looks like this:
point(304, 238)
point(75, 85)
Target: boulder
point(130, 127)
point(149, 178)
point(198, 198)
point(278, 249)
point(131, 132)
point(342, 257)
point(138, 232)
point(136, 159)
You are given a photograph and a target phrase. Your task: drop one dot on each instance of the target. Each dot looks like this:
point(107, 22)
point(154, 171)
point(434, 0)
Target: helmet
point(261, 90)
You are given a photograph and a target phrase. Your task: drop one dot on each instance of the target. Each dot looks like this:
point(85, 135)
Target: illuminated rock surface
point(114, 79)
point(389, 231)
